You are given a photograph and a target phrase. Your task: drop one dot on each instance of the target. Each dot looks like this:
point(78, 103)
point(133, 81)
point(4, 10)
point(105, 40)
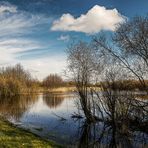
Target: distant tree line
point(15, 80)
point(55, 81)
point(124, 84)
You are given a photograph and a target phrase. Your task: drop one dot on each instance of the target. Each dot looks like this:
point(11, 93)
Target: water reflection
point(35, 112)
point(124, 123)
point(102, 135)
point(53, 100)
point(14, 107)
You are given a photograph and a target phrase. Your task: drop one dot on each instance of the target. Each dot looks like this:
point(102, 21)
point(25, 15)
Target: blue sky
point(36, 33)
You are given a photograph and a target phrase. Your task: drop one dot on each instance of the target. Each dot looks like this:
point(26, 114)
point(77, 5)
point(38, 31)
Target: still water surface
point(49, 115)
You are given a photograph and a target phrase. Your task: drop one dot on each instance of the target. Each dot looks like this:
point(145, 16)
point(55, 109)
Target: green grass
point(13, 137)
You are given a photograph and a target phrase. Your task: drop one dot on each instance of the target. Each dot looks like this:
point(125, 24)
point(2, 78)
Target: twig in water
point(61, 118)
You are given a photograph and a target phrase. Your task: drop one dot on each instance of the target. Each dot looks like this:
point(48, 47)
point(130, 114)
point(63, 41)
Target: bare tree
point(129, 47)
point(81, 66)
point(16, 80)
point(111, 105)
point(53, 81)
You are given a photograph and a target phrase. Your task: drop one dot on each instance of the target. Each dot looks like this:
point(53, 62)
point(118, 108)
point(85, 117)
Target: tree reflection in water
point(53, 100)
point(122, 122)
point(104, 135)
point(14, 107)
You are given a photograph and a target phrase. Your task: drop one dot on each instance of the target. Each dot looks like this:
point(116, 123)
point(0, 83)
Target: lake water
point(49, 116)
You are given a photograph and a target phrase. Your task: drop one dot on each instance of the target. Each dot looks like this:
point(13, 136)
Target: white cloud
point(16, 26)
point(39, 67)
point(15, 29)
point(64, 38)
point(10, 47)
point(15, 22)
point(42, 67)
point(96, 19)
point(8, 8)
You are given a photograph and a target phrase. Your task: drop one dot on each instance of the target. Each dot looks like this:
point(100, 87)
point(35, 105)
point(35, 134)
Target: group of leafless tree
point(109, 59)
point(53, 81)
point(15, 81)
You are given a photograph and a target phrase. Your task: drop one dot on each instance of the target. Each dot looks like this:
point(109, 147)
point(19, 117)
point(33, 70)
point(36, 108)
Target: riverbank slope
point(13, 137)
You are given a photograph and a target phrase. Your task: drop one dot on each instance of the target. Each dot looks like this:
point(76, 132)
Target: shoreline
point(61, 90)
point(13, 136)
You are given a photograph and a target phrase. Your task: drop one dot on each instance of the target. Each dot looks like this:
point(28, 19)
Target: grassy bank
point(67, 89)
point(12, 137)
point(62, 89)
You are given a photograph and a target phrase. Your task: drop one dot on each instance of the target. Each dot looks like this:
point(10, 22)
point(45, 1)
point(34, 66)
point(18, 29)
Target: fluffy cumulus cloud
point(96, 19)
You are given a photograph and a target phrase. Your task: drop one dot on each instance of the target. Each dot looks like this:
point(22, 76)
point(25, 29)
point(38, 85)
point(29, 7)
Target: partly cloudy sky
point(36, 33)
